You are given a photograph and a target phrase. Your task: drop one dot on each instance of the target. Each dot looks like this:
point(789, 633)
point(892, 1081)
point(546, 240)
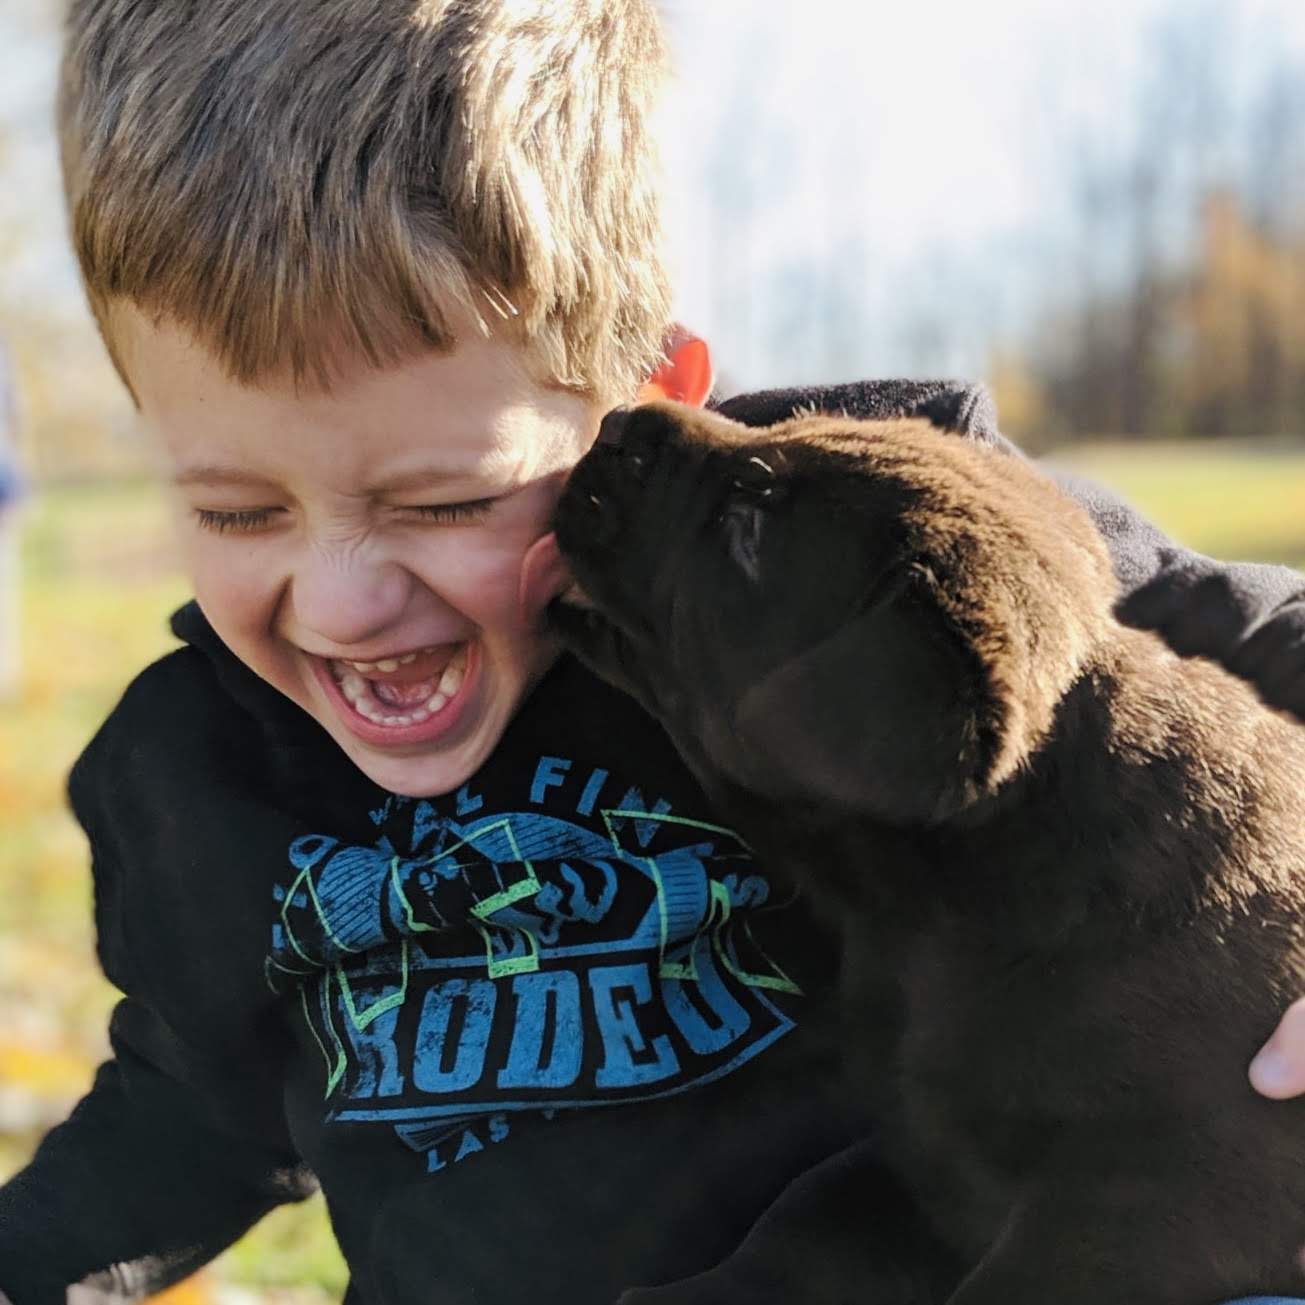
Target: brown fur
point(1068, 865)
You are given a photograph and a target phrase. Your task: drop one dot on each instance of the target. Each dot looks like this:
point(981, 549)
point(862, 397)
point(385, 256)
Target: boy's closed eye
point(475, 509)
point(238, 521)
point(251, 520)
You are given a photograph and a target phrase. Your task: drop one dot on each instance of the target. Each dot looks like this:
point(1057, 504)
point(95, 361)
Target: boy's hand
point(1279, 1070)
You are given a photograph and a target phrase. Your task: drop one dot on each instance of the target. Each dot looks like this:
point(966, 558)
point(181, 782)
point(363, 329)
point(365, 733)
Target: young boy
point(397, 899)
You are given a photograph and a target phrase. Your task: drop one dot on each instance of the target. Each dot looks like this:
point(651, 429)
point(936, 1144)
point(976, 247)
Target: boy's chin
point(432, 771)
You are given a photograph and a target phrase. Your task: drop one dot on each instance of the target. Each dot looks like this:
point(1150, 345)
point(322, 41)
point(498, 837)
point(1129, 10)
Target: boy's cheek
point(235, 582)
point(240, 594)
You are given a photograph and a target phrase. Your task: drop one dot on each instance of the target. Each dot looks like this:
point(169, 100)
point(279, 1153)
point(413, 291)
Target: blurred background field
point(1234, 499)
point(98, 584)
point(1098, 205)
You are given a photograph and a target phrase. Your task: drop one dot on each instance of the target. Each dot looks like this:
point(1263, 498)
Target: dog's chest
point(986, 1080)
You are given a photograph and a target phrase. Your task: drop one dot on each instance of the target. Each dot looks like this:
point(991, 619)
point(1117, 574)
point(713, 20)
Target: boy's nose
point(348, 607)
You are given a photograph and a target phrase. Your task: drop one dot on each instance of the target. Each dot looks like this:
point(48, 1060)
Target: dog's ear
point(889, 716)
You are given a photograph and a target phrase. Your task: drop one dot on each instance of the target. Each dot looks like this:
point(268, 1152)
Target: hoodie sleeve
point(1250, 618)
point(181, 1144)
point(149, 1178)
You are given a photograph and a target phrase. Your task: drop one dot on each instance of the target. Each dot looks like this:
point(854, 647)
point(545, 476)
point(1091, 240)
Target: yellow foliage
point(193, 1291)
point(1020, 399)
point(1244, 319)
point(45, 1071)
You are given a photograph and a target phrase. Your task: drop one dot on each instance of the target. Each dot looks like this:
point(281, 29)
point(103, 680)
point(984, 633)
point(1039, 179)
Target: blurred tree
point(1242, 330)
point(1185, 309)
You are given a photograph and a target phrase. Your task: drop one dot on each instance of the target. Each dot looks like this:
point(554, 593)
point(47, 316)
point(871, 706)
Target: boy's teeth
point(386, 664)
point(450, 682)
point(451, 679)
point(363, 696)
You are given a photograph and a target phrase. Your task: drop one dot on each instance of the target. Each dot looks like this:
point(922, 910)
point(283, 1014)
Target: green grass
point(1240, 502)
point(100, 579)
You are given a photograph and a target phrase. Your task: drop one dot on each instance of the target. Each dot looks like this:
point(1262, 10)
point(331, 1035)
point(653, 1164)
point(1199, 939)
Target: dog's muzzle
point(611, 431)
point(601, 487)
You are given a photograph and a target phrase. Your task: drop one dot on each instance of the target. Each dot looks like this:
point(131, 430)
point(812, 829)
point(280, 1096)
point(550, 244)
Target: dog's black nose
point(612, 427)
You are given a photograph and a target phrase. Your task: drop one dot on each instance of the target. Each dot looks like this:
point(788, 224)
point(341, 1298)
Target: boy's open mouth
point(401, 693)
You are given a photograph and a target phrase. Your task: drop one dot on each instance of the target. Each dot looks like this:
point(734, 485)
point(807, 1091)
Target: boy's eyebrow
point(219, 474)
point(416, 479)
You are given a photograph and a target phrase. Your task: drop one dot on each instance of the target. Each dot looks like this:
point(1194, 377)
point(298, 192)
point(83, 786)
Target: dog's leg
point(845, 1233)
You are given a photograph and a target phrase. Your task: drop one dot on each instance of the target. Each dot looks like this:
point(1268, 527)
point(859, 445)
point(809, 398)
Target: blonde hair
point(292, 181)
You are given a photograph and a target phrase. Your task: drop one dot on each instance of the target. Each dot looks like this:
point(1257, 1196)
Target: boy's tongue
point(412, 681)
point(414, 694)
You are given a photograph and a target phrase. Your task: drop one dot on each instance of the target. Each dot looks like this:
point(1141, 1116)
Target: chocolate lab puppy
point(1068, 866)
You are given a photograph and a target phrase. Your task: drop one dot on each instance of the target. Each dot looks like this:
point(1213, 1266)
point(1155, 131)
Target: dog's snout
point(626, 439)
point(611, 430)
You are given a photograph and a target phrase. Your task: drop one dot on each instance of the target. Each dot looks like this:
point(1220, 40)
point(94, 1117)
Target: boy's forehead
point(429, 415)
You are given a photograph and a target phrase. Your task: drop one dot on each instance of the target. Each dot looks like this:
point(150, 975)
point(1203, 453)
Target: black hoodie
point(549, 1036)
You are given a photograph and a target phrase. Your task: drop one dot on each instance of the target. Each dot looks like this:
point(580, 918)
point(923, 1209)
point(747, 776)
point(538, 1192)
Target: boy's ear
point(685, 376)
